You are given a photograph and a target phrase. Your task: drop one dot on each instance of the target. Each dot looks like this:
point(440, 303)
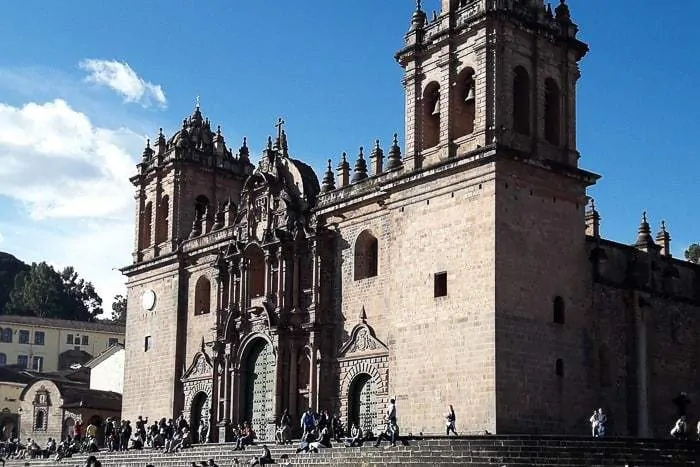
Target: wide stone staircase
point(431, 451)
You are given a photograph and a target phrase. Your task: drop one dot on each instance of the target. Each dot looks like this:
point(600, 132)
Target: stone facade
point(466, 270)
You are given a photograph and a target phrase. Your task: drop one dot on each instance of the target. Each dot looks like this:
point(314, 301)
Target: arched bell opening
point(464, 103)
point(431, 115)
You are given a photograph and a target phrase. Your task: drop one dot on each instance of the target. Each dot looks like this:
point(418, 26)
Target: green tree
point(692, 254)
point(42, 291)
point(119, 309)
point(10, 267)
point(82, 295)
point(38, 292)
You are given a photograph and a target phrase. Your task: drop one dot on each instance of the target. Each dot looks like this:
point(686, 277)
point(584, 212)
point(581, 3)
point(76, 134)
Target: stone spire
point(592, 221)
point(360, 167)
point(343, 171)
point(219, 143)
point(162, 143)
point(243, 152)
point(394, 161)
point(663, 240)
point(644, 239)
point(419, 17)
point(147, 151)
point(328, 183)
point(377, 159)
point(562, 12)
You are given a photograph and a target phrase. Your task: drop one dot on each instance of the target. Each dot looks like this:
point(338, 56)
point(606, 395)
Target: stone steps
point(470, 451)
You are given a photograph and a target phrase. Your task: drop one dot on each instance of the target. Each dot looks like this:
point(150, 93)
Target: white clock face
point(148, 300)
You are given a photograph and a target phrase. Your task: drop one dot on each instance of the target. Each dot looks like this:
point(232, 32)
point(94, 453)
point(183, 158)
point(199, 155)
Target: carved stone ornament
point(201, 367)
point(362, 341)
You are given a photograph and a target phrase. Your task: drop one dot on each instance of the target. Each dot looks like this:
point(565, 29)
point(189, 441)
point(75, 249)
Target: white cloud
point(123, 79)
point(60, 165)
point(72, 178)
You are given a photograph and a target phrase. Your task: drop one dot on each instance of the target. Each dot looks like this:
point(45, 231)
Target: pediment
point(363, 341)
point(201, 367)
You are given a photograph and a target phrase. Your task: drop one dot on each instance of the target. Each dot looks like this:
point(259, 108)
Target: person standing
point(450, 420)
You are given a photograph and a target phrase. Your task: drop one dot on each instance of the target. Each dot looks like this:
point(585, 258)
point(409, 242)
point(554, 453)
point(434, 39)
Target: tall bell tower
point(491, 85)
point(487, 71)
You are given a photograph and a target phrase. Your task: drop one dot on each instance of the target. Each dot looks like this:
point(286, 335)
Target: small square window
point(147, 344)
point(84, 340)
point(23, 336)
point(39, 337)
point(112, 341)
point(440, 284)
point(69, 339)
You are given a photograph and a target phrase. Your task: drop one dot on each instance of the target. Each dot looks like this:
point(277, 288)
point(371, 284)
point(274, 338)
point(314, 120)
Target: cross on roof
point(279, 125)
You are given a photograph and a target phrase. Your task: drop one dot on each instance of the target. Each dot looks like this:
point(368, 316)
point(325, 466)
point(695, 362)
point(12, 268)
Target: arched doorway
point(259, 387)
point(68, 425)
point(198, 412)
point(9, 424)
point(362, 402)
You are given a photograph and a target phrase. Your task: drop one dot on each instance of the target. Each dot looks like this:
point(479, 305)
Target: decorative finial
point(328, 183)
point(160, 132)
point(148, 142)
point(663, 226)
point(218, 130)
point(360, 167)
point(269, 143)
point(644, 232)
point(344, 159)
point(419, 5)
point(202, 348)
point(394, 160)
point(245, 142)
point(644, 213)
point(592, 204)
point(363, 313)
point(196, 102)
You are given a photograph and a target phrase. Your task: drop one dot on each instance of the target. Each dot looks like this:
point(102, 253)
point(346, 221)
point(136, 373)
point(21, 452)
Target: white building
point(107, 370)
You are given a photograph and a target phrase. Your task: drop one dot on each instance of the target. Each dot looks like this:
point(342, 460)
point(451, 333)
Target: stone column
point(244, 285)
point(295, 282)
point(281, 271)
point(313, 373)
point(268, 273)
point(314, 278)
point(235, 403)
point(293, 381)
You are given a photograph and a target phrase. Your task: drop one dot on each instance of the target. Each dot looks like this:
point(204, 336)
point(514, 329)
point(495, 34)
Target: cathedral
point(464, 266)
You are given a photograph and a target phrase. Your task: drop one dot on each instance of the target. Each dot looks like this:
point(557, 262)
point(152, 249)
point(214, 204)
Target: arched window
point(3, 359)
point(559, 368)
point(39, 421)
point(604, 366)
point(201, 205)
point(146, 220)
point(558, 310)
point(431, 115)
point(202, 296)
point(257, 272)
point(366, 256)
point(552, 111)
point(465, 103)
point(521, 101)
point(7, 335)
point(162, 220)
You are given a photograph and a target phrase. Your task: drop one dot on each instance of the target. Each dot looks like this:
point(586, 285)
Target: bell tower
point(491, 71)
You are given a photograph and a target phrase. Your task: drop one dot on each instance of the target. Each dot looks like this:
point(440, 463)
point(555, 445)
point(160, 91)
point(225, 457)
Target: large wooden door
point(362, 403)
point(259, 393)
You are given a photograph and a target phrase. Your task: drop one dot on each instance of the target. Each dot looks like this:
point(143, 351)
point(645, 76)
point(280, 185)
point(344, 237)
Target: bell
point(470, 95)
point(436, 110)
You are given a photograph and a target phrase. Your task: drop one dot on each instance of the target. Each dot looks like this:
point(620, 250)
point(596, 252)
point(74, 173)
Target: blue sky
point(68, 142)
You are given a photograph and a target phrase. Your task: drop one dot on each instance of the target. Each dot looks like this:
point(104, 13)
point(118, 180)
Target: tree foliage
point(44, 292)
point(692, 254)
point(10, 267)
point(119, 309)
